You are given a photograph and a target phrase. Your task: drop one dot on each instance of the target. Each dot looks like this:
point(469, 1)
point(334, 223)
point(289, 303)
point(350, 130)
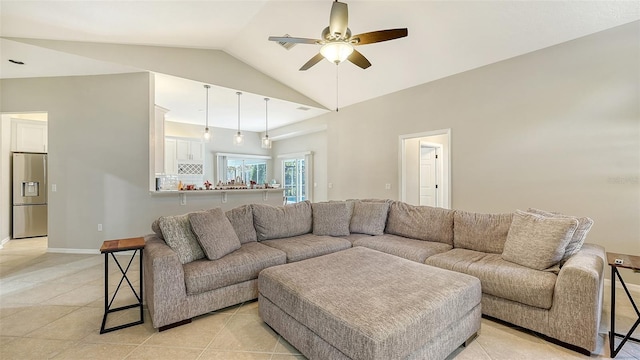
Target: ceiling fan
point(337, 42)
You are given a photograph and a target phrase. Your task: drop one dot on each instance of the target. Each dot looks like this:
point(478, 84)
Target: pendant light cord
point(266, 117)
point(239, 93)
point(206, 111)
point(337, 87)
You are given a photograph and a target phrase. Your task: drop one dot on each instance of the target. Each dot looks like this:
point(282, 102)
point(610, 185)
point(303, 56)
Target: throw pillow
point(178, 235)
point(369, 217)
point(214, 233)
point(241, 219)
point(155, 227)
point(421, 222)
point(577, 240)
point(330, 218)
point(537, 242)
point(481, 232)
point(275, 222)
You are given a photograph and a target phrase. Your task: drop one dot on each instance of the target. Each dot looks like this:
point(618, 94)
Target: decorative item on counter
point(207, 185)
point(180, 186)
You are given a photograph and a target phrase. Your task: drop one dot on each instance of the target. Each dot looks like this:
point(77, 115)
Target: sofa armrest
point(164, 285)
point(577, 302)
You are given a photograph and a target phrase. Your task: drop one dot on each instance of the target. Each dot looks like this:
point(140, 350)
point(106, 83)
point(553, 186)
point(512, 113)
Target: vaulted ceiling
point(445, 38)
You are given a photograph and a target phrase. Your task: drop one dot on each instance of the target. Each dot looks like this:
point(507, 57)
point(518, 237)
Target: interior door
point(428, 176)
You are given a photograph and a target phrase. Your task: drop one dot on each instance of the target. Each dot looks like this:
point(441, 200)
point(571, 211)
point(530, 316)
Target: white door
point(428, 176)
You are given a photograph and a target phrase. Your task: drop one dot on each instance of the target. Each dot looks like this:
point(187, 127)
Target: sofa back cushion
point(179, 236)
point(369, 217)
point(481, 232)
point(331, 218)
point(214, 233)
point(275, 222)
point(241, 219)
point(537, 242)
point(577, 240)
point(420, 222)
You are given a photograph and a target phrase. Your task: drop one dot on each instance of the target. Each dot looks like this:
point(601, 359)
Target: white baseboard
point(73, 251)
point(4, 241)
point(632, 287)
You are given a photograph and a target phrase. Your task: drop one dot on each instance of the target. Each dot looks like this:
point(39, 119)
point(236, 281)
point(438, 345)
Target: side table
point(628, 262)
point(112, 247)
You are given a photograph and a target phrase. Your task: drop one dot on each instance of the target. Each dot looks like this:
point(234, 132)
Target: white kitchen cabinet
point(183, 156)
point(29, 136)
point(189, 151)
point(170, 159)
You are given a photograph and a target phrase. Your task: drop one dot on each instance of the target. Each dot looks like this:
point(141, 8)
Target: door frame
point(446, 161)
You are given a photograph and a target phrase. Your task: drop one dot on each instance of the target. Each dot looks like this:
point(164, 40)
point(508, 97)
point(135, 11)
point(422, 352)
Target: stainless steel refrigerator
point(29, 195)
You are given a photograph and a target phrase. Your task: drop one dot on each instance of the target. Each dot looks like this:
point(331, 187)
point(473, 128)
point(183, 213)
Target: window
point(296, 177)
point(244, 167)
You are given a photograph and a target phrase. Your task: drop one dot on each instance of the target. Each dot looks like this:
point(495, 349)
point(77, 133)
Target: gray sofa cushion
point(584, 225)
point(178, 235)
point(308, 245)
point(369, 217)
point(331, 218)
point(241, 265)
point(411, 249)
point(275, 222)
point(155, 227)
point(499, 277)
point(536, 241)
point(420, 222)
point(241, 219)
point(214, 233)
point(481, 232)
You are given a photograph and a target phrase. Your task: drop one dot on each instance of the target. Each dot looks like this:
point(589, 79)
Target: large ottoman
point(364, 304)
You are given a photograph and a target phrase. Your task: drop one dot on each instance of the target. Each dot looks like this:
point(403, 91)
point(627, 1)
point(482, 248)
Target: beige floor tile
point(39, 293)
point(226, 355)
point(73, 326)
point(197, 334)
point(4, 340)
point(25, 348)
point(245, 333)
point(133, 335)
point(7, 309)
point(162, 353)
point(250, 307)
point(502, 342)
point(287, 357)
point(31, 319)
point(83, 351)
point(472, 352)
point(83, 295)
point(283, 347)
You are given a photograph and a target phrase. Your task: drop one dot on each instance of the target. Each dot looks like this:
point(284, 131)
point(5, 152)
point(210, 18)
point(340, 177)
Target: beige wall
point(557, 129)
point(5, 178)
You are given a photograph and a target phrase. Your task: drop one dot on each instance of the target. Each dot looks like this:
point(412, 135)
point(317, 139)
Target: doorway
point(425, 165)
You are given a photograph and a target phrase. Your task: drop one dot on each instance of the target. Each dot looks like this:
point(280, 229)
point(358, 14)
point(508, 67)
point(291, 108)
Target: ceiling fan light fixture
point(337, 51)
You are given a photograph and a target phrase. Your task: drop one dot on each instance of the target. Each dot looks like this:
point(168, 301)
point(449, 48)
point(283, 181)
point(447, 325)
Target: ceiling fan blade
point(359, 59)
point(288, 39)
point(339, 19)
point(378, 36)
point(314, 60)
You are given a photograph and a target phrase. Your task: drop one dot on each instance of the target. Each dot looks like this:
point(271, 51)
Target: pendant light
point(266, 142)
point(207, 134)
point(238, 138)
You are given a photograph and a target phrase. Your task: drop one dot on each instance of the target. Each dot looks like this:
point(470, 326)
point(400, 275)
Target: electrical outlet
point(330, 185)
point(54, 187)
point(99, 227)
point(387, 186)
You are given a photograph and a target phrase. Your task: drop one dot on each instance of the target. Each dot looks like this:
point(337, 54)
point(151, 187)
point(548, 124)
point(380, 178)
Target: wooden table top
point(628, 261)
point(122, 245)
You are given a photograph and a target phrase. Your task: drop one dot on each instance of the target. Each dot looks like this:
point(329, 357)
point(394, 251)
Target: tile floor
point(51, 307)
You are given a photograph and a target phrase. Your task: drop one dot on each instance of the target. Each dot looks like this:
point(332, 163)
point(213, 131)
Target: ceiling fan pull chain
point(337, 87)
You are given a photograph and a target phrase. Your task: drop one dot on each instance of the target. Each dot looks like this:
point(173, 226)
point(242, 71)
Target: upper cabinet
point(183, 156)
point(29, 136)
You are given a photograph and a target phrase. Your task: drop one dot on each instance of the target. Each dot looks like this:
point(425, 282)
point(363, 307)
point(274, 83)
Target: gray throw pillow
point(155, 227)
point(369, 217)
point(537, 242)
point(214, 233)
point(481, 232)
point(330, 218)
point(241, 219)
point(577, 240)
point(178, 235)
point(275, 222)
point(421, 222)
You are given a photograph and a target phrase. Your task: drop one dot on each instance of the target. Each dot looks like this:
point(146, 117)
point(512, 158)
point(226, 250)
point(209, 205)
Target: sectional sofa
point(534, 267)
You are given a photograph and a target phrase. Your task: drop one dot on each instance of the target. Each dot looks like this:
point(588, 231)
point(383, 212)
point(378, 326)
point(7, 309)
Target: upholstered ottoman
point(364, 304)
